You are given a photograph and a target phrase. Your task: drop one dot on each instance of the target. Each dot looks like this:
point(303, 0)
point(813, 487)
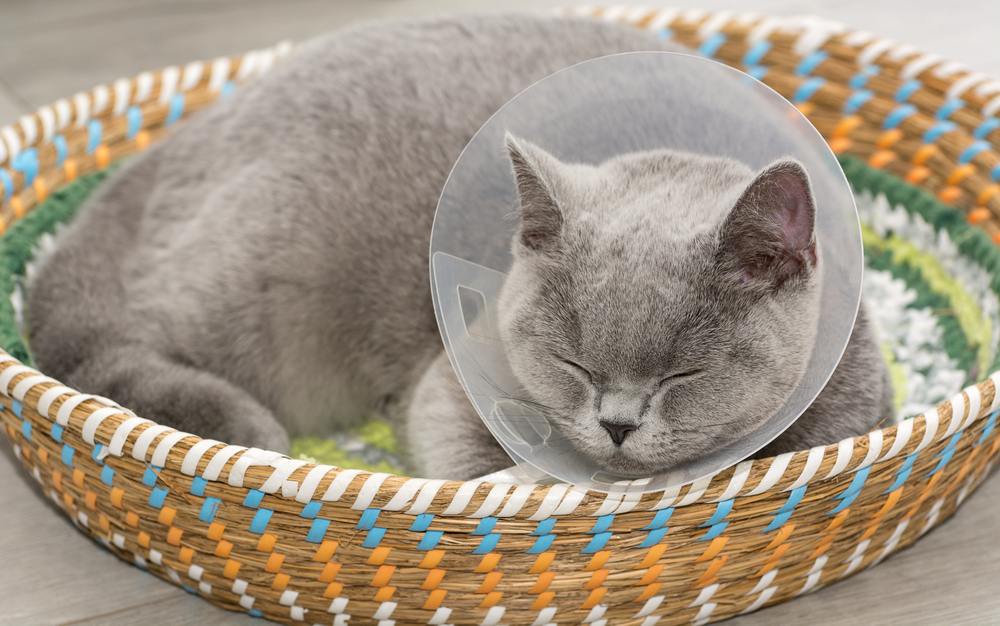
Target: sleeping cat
point(263, 272)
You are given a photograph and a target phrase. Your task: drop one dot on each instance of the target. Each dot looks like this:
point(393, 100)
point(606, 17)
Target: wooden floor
point(51, 574)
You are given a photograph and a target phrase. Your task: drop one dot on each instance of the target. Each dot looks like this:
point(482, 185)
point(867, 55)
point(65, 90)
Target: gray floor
point(51, 574)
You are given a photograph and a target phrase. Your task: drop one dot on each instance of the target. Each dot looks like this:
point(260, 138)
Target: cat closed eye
point(580, 369)
point(680, 376)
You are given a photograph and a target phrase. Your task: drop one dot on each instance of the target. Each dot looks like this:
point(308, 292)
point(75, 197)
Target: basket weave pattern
point(254, 531)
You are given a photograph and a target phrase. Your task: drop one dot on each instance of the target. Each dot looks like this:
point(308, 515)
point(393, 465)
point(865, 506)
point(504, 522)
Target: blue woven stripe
point(198, 486)
point(597, 542)
point(67, 455)
point(654, 537)
point(17, 407)
point(318, 530)
point(778, 521)
point(26, 429)
point(896, 117)
point(208, 509)
point(544, 527)
point(852, 490)
point(149, 477)
point(62, 149)
point(57, 432)
point(757, 71)
point(254, 496)
point(6, 184)
point(721, 511)
point(541, 544)
point(158, 496)
point(660, 519)
point(27, 163)
point(108, 476)
point(368, 519)
point(902, 473)
point(710, 46)
point(485, 526)
point(938, 129)
point(987, 127)
point(810, 62)
point(807, 89)
point(430, 540)
point(94, 132)
point(176, 109)
point(487, 544)
point(995, 173)
point(907, 89)
point(988, 427)
point(311, 510)
point(602, 524)
point(227, 89)
point(972, 150)
point(96, 453)
point(949, 107)
point(260, 520)
point(856, 100)
point(793, 499)
point(756, 53)
point(134, 117)
point(859, 80)
point(714, 531)
point(946, 454)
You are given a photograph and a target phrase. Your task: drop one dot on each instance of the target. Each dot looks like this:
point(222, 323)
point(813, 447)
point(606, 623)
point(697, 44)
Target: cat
point(263, 272)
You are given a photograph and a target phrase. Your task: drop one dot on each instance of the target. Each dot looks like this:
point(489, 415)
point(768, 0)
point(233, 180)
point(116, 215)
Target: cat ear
point(541, 218)
point(769, 237)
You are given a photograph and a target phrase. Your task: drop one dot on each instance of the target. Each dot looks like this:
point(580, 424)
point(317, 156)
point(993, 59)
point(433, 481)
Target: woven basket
point(292, 541)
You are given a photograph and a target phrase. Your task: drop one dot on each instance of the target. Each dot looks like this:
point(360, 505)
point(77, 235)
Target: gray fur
point(263, 273)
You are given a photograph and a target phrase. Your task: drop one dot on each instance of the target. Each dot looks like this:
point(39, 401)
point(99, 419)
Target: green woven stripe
point(22, 236)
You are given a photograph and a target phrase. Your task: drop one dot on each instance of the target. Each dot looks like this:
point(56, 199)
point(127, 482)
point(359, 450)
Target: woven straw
point(252, 531)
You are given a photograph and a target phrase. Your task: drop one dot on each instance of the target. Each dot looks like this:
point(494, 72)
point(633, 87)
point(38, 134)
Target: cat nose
point(618, 432)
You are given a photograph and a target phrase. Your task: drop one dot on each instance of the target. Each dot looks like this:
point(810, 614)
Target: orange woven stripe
point(881, 158)
point(917, 174)
point(960, 173)
point(70, 170)
point(329, 573)
point(491, 600)
point(43, 454)
point(105, 525)
point(18, 206)
point(712, 570)
point(143, 539)
point(132, 519)
point(840, 144)
point(806, 108)
point(142, 140)
point(379, 555)
point(649, 592)
point(102, 156)
point(651, 575)
point(434, 578)
point(166, 516)
point(41, 191)
point(652, 556)
point(889, 503)
point(90, 499)
point(57, 480)
point(488, 563)
point(783, 533)
point(432, 559)
point(383, 575)
point(773, 559)
point(25, 452)
point(274, 563)
point(542, 563)
point(889, 137)
point(924, 153)
point(280, 582)
point(490, 582)
point(68, 499)
point(839, 520)
point(594, 599)
point(543, 582)
point(231, 570)
point(847, 125)
point(435, 599)
point(326, 550)
point(543, 601)
point(598, 561)
point(223, 549)
point(174, 536)
point(871, 530)
point(987, 193)
point(116, 494)
point(215, 531)
point(996, 238)
point(597, 579)
point(266, 543)
point(186, 555)
point(714, 549)
point(78, 477)
point(333, 590)
point(384, 594)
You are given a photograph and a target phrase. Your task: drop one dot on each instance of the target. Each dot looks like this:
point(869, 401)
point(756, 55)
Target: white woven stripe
point(874, 449)
point(13, 141)
point(493, 500)
point(995, 378)
point(123, 89)
point(990, 108)
point(845, 450)
point(192, 75)
point(517, 500)
point(25, 385)
point(631, 499)
point(493, 616)
point(3, 151)
point(697, 490)
point(404, 495)
point(9, 374)
point(544, 616)
point(101, 97)
point(427, 494)
point(810, 583)
point(763, 29)
point(692, 16)
point(143, 87)
point(705, 595)
point(957, 415)
point(705, 612)
point(220, 74)
point(813, 461)
point(760, 601)
point(369, 490)
point(573, 499)
point(238, 471)
point(440, 616)
point(307, 488)
point(340, 484)
point(919, 65)
point(904, 430)
point(462, 497)
point(30, 129)
point(169, 78)
point(283, 469)
point(714, 24)
point(68, 405)
point(45, 402)
point(614, 12)
point(987, 89)
point(815, 33)
point(284, 48)
point(651, 605)
point(764, 582)
point(932, 419)
point(595, 614)
point(95, 419)
point(122, 432)
point(635, 14)
point(774, 473)
point(189, 465)
point(549, 503)
point(146, 438)
point(81, 103)
point(874, 50)
point(48, 119)
point(610, 503)
point(166, 444)
point(663, 19)
point(902, 51)
point(975, 404)
point(218, 462)
point(265, 61)
point(64, 112)
point(736, 483)
point(947, 69)
point(892, 542)
point(248, 64)
point(667, 499)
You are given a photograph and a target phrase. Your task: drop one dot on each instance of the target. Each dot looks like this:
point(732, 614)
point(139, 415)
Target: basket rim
point(103, 422)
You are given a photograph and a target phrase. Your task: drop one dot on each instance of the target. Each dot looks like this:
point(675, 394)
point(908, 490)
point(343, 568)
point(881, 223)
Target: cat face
point(661, 304)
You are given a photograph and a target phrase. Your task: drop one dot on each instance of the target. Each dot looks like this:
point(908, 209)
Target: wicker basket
point(253, 531)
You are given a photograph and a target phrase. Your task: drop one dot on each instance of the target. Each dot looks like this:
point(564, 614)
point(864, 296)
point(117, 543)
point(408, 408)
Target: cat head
point(660, 304)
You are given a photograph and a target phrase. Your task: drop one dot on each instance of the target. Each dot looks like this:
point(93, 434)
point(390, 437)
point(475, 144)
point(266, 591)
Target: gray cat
point(263, 272)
